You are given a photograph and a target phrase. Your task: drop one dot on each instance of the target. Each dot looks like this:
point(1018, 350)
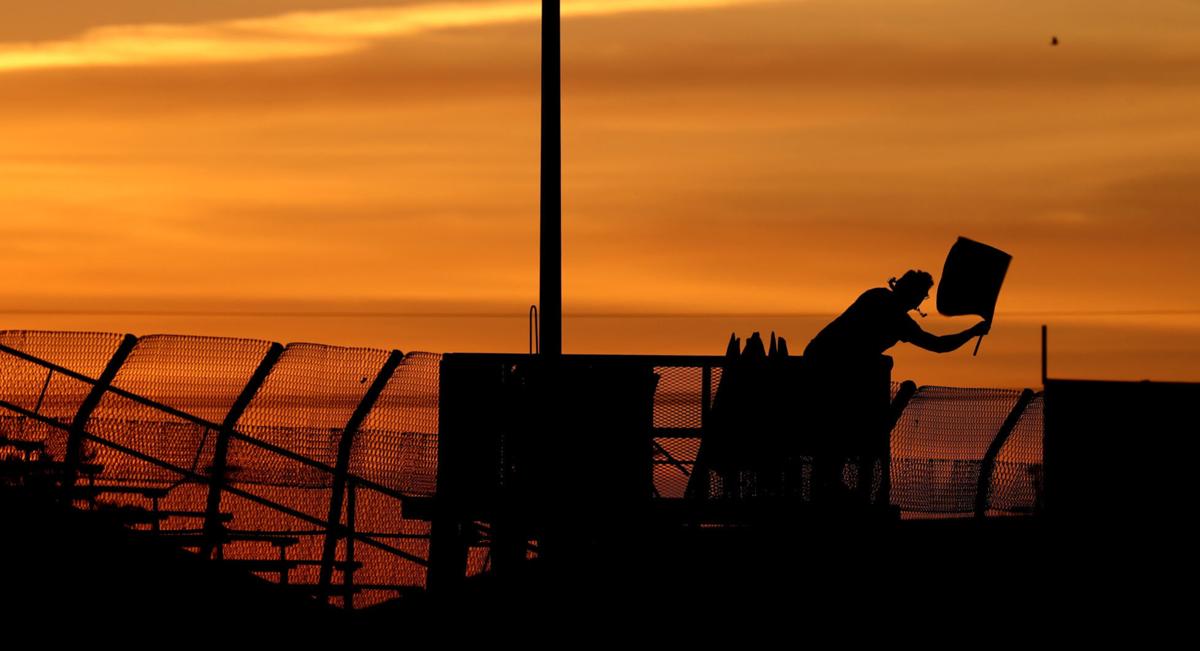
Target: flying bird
point(1053, 40)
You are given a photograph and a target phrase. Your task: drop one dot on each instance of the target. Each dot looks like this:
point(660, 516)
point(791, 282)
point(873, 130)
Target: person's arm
point(947, 343)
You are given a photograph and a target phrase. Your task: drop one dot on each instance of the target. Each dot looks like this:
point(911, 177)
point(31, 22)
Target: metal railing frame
point(212, 525)
point(343, 482)
point(334, 529)
point(204, 479)
point(234, 434)
point(75, 434)
point(987, 465)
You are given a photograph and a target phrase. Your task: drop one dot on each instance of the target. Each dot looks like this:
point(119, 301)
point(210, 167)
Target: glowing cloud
point(302, 34)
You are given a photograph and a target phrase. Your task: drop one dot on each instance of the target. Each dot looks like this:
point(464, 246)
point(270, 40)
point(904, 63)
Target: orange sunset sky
point(363, 172)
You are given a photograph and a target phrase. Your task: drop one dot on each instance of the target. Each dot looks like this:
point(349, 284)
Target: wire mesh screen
point(396, 446)
point(674, 461)
point(678, 417)
point(383, 573)
point(302, 407)
point(201, 376)
point(397, 443)
point(678, 398)
point(938, 445)
point(1016, 484)
point(83, 352)
point(46, 392)
point(178, 442)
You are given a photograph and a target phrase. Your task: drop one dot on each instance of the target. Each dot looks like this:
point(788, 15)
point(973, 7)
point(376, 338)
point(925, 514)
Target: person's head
point(912, 288)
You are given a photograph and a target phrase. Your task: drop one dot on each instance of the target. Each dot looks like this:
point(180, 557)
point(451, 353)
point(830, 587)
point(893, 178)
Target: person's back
point(879, 320)
point(873, 324)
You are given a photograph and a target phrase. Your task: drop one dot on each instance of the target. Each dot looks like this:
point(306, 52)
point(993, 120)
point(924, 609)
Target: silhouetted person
point(879, 319)
point(846, 383)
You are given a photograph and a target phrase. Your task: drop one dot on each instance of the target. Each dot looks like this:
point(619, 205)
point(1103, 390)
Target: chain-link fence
point(150, 447)
point(153, 440)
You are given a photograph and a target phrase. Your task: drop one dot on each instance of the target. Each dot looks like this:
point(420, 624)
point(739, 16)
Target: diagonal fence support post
point(348, 570)
point(76, 433)
point(337, 496)
point(988, 466)
point(220, 463)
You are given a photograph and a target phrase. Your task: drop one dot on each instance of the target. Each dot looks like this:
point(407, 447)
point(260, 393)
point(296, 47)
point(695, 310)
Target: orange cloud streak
point(303, 34)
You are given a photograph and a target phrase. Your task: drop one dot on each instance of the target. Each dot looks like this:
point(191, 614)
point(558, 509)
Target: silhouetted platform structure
point(323, 467)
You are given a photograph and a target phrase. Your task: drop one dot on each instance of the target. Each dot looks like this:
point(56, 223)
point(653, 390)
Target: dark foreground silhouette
point(550, 504)
point(846, 407)
point(880, 319)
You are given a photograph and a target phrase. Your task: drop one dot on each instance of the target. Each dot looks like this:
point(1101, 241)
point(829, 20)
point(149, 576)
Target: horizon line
point(568, 315)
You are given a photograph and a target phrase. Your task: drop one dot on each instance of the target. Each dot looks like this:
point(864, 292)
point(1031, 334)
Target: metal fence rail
point(939, 445)
point(329, 445)
point(153, 434)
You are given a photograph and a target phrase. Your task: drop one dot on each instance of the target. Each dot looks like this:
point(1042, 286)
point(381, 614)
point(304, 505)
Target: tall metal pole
point(1044, 360)
point(550, 265)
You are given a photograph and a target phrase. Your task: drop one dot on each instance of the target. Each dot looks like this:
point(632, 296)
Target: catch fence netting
point(938, 447)
point(303, 408)
point(305, 403)
point(1017, 482)
point(678, 416)
point(199, 376)
point(396, 447)
point(157, 430)
point(44, 391)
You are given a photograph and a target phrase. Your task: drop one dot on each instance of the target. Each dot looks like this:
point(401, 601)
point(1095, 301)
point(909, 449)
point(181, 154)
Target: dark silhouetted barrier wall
point(251, 447)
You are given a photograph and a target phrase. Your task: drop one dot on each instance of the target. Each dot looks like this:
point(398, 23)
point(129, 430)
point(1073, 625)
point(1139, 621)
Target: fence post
point(342, 468)
point(904, 395)
point(220, 467)
point(988, 465)
point(697, 486)
point(469, 463)
point(78, 430)
point(348, 570)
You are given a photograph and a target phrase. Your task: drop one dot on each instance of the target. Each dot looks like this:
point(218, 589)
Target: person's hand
point(981, 328)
